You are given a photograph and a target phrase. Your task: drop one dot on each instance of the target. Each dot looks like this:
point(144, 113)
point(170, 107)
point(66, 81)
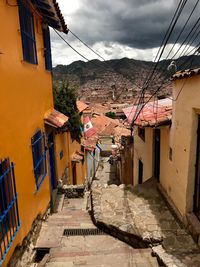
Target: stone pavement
point(91, 250)
point(139, 216)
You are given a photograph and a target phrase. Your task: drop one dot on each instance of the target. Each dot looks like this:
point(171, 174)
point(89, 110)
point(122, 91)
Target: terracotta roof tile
point(90, 143)
point(81, 105)
point(154, 113)
point(55, 119)
point(76, 157)
point(185, 74)
point(50, 11)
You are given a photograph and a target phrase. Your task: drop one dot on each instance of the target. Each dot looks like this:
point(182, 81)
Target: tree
point(65, 102)
point(111, 115)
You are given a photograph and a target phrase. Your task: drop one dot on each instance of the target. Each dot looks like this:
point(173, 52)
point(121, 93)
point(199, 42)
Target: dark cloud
point(135, 23)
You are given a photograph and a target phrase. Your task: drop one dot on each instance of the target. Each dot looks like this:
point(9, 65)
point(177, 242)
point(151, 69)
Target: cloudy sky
point(118, 28)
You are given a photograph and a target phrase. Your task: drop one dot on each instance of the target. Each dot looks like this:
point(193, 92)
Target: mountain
point(119, 79)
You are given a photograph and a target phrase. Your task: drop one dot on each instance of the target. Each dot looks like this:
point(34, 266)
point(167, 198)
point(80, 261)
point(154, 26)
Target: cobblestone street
point(92, 250)
point(140, 216)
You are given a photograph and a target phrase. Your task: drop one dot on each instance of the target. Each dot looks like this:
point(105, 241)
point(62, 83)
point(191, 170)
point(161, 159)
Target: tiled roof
point(154, 113)
point(77, 156)
point(119, 131)
point(55, 119)
point(50, 11)
point(185, 73)
point(81, 105)
point(108, 130)
point(90, 143)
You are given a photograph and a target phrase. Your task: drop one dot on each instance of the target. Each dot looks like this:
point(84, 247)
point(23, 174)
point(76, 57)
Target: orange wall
point(80, 168)
point(26, 94)
point(61, 141)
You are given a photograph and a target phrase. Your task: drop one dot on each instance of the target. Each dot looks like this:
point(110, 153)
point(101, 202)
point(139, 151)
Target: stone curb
point(131, 239)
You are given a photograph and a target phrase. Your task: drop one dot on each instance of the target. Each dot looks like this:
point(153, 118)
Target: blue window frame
point(39, 158)
point(9, 215)
point(47, 47)
point(27, 33)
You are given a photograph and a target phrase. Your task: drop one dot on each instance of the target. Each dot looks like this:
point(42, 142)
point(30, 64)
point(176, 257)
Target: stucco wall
point(177, 176)
point(80, 168)
point(26, 94)
point(61, 147)
point(143, 150)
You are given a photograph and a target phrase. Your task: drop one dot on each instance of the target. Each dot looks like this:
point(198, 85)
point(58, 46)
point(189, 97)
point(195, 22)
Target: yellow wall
point(61, 144)
point(26, 94)
point(177, 176)
point(143, 150)
point(80, 168)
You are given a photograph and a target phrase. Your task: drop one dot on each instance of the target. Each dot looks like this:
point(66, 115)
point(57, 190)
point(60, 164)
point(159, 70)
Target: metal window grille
point(39, 158)
point(47, 48)
point(27, 33)
point(9, 215)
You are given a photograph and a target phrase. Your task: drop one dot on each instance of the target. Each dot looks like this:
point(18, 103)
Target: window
point(170, 153)
point(9, 216)
point(47, 47)
point(141, 133)
point(27, 33)
point(39, 158)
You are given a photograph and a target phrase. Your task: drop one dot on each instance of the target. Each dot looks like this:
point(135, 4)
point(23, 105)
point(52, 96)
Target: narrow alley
point(85, 245)
point(95, 250)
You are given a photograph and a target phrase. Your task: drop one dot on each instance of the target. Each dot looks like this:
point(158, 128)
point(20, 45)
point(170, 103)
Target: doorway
point(196, 207)
point(51, 147)
point(140, 172)
point(157, 154)
point(74, 180)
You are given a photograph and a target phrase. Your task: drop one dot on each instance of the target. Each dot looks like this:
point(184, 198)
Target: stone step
point(107, 260)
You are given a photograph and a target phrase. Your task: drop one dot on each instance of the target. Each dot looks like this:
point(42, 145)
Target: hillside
point(120, 79)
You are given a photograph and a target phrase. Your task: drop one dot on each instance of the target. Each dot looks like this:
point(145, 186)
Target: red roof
point(56, 119)
point(81, 105)
point(77, 156)
point(154, 113)
point(90, 143)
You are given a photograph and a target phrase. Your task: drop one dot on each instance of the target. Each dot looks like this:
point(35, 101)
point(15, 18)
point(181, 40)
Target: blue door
point(52, 160)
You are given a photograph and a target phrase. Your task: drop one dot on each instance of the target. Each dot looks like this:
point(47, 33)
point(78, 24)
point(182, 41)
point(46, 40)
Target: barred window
point(9, 215)
point(39, 158)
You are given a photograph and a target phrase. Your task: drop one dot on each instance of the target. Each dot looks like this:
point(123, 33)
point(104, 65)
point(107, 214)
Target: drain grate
point(90, 231)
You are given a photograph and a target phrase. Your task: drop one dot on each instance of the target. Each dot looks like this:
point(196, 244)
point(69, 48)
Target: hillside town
point(104, 175)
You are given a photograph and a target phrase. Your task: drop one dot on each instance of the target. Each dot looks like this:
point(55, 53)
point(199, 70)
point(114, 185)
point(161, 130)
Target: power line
point(115, 81)
point(70, 45)
point(87, 45)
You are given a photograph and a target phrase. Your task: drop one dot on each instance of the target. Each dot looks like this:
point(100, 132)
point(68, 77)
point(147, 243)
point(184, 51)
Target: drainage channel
point(83, 232)
point(40, 253)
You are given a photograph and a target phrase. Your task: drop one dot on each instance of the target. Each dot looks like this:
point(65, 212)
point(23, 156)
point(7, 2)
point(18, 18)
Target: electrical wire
point(87, 45)
point(87, 58)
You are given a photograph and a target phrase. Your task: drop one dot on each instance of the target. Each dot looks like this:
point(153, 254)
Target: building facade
point(26, 95)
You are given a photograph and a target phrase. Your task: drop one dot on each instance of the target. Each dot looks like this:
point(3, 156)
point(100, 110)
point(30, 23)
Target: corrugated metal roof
point(185, 73)
point(55, 119)
point(154, 113)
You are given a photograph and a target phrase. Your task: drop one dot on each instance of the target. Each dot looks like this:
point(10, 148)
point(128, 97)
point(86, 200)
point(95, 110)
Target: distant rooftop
point(154, 113)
